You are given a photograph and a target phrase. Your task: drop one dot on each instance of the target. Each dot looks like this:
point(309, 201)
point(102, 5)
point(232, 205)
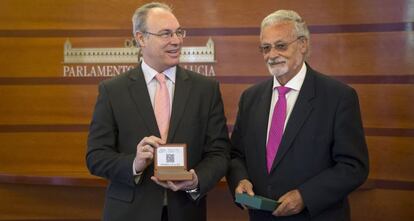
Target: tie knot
point(160, 77)
point(282, 90)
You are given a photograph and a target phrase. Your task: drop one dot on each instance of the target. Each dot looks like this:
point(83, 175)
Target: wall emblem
point(107, 62)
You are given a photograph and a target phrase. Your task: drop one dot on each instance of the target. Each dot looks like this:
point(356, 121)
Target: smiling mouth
point(174, 52)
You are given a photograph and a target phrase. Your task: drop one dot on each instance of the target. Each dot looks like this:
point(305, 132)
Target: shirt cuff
point(137, 175)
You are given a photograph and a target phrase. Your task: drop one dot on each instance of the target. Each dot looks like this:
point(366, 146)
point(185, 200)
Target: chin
point(173, 61)
point(169, 64)
point(277, 72)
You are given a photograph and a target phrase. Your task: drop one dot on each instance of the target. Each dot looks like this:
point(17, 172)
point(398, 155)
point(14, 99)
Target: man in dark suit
point(158, 102)
point(298, 138)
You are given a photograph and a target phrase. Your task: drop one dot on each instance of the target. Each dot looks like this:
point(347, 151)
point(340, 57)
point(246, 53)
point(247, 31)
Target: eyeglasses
point(280, 46)
point(168, 34)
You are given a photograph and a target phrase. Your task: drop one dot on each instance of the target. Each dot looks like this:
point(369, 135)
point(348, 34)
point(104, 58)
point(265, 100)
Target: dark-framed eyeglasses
point(278, 46)
point(168, 34)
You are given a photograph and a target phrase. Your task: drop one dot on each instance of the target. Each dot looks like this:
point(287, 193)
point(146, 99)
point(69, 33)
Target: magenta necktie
point(276, 127)
point(162, 106)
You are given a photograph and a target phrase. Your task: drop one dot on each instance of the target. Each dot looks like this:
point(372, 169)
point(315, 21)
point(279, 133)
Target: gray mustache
point(273, 61)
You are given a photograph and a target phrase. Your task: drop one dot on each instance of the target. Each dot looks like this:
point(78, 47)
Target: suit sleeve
point(237, 169)
point(102, 157)
point(350, 156)
point(215, 160)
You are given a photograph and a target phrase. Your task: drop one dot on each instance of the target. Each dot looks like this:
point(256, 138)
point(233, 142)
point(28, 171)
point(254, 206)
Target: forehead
point(160, 19)
point(277, 32)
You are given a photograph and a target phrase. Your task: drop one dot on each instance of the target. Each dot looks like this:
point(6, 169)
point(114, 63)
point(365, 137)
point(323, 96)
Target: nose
point(272, 54)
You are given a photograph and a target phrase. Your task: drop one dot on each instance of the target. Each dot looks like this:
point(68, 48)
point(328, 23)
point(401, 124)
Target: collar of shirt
point(296, 82)
point(149, 72)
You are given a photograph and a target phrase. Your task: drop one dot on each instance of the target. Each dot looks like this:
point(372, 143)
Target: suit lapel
point(262, 118)
point(181, 94)
point(139, 93)
point(300, 113)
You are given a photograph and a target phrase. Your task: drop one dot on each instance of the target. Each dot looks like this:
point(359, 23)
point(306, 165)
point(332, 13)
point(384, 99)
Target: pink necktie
point(162, 106)
point(276, 127)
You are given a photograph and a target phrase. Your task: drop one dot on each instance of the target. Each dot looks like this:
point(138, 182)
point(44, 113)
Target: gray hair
point(280, 16)
point(139, 19)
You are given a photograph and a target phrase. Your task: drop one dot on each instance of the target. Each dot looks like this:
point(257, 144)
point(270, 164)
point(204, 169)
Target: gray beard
point(277, 72)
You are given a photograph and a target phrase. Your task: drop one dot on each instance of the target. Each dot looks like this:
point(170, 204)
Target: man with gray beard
point(298, 138)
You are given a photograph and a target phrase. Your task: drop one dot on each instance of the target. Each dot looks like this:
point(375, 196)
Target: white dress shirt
point(295, 84)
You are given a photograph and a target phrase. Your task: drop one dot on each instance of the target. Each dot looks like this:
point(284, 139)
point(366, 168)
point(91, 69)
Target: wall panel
point(387, 105)
point(42, 202)
point(113, 14)
point(382, 205)
point(391, 158)
point(43, 152)
point(73, 104)
point(50, 104)
point(349, 54)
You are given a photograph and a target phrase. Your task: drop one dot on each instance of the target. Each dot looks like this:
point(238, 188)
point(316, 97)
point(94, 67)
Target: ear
point(304, 46)
point(140, 39)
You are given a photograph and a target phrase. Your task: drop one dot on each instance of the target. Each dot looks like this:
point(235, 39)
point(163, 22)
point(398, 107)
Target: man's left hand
point(291, 204)
point(178, 185)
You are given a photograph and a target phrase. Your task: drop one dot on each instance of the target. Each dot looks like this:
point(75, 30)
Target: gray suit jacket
point(322, 153)
point(124, 115)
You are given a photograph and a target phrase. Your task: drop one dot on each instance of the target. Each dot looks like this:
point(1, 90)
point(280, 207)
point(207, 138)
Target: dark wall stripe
point(347, 28)
point(95, 182)
point(387, 184)
point(63, 33)
point(359, 79)
point(220, 31)
point(369, 131)
point(43, 128)
point(51, 180)
point(379, 132)
point(393, 184)
point(377, 79)
point(255, 31)
point(389, 132)
point(51, 80)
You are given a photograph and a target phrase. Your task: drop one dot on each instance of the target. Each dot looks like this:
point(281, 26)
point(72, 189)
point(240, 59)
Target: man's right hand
point(245, 186)
point(145, 152)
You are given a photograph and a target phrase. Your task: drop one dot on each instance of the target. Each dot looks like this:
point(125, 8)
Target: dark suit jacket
point(322, 153)
point(124, 115)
